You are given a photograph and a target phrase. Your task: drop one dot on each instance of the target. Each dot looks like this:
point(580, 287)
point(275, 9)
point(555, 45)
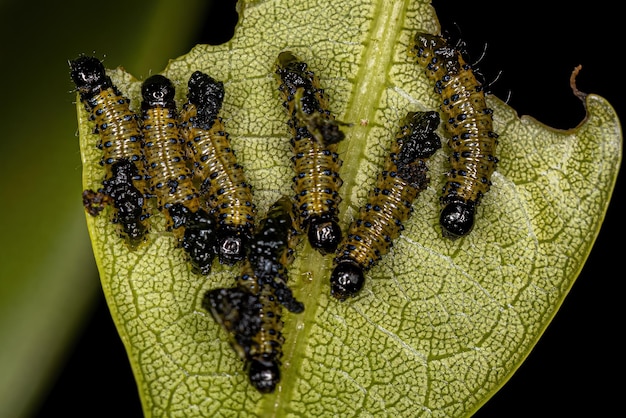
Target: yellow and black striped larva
point(389, 204)
point(223, 180)
point(171, 179)
point(316, 162)
point(251, 312)
point(469, 122)
point(121, 143)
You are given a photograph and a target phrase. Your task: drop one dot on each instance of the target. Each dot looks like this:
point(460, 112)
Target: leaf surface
point(440, 325)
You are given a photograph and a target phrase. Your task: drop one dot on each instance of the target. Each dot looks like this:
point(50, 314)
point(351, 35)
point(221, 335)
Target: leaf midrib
point(369, 85)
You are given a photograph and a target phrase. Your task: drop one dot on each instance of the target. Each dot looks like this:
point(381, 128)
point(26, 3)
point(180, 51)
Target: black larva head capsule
point(346, 280)
point(158, 90)
point(457, 219)
point(232, 244)
point(89, 75)
point(264, 375)
point(324, 234)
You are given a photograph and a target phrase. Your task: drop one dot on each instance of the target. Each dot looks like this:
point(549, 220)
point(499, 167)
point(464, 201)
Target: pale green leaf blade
point(440, 325)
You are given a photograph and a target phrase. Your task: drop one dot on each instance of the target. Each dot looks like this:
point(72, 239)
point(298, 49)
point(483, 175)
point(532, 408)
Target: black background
point(531, 50)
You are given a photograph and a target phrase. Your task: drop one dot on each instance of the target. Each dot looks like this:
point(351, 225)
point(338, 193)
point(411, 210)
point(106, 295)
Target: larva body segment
point(171, 179)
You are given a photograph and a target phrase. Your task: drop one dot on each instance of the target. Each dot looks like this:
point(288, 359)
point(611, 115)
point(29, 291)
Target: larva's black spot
point(469, 122)
point(251, 311)
point(215, 166)
point(389, 204)
point(120, 140)
point(314, 143)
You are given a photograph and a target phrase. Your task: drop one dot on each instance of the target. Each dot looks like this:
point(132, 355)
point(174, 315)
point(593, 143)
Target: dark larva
point(223, 181)
point(120, 140)
point(389, 204)
point(251, 311)
point(469, 123)
point(171, 179)
point(316, 163)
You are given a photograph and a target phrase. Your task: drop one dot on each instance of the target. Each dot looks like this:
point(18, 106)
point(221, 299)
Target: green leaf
point(441, 325)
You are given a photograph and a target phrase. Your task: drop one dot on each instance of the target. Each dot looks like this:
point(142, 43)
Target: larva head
point(231, 247)
point(346, 280)
point(424, 45)
point(158, 90)
point(324, 234)
point(457, 219)
point(207, 94)
point(264, 375)
point(89, 75)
